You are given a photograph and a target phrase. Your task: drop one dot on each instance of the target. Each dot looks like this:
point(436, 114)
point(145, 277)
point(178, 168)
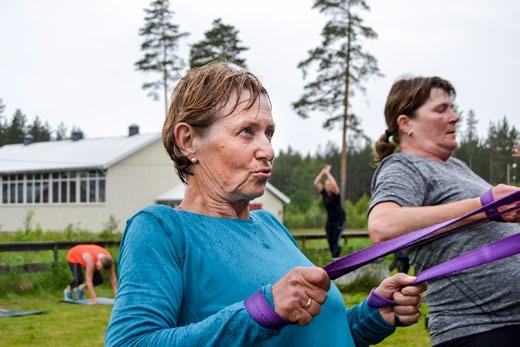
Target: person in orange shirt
point(93, 259)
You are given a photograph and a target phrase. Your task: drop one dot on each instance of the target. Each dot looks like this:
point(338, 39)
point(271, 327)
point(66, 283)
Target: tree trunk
point(344, 138)
point(165, 72)
point(165, 85)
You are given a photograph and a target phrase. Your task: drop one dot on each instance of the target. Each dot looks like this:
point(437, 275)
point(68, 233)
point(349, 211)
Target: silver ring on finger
point(308, 304)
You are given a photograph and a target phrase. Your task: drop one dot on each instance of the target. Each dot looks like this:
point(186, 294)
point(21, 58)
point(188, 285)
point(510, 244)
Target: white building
point(85, 181)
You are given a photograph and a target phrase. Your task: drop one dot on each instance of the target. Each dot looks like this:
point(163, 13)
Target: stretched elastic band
point(366, 255)
point(377, 301)
point(262, 312)
point(492, 213)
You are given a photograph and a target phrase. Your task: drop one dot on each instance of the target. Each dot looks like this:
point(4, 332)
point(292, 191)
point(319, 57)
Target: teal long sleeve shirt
point(183, 278)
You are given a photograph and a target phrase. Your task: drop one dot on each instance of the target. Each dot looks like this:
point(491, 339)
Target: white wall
point(53, 216)
point(137, 181)
point(270, 203)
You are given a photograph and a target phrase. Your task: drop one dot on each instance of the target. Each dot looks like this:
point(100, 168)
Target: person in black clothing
point(335, 213)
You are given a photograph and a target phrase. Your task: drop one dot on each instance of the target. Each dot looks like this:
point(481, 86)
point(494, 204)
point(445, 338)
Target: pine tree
point(61, 132)
point(39, 131)
point(3, 124)
point(341, 67)
point(500, 141)
point(160, 45)
point(471, 136)
point(15, 131)
point(221, 42)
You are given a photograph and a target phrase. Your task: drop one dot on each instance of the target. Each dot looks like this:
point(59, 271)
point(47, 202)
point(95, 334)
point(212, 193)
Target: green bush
point(315, 216)
point(357, 213)
point(110, 229)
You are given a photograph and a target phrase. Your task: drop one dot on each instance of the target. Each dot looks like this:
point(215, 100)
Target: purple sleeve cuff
point(376, 301)
point(492, 214)
point(262, 312)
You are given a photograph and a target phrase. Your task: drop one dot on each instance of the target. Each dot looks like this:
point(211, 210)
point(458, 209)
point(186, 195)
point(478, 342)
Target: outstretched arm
point(388, 219)
point(113, 278)
point(317, 181)
point(89, 275)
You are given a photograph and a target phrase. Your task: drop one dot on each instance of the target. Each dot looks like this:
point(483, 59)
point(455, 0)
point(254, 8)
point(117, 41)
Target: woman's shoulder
point(399, 162)
point(402, 157)
point(156, 217)
point(271, 223)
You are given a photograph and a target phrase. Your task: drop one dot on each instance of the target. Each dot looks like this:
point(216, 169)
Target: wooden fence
point(55, 246)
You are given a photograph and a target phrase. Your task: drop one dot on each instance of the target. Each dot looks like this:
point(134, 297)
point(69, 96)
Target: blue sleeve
point(366, 325)
point(147, 307)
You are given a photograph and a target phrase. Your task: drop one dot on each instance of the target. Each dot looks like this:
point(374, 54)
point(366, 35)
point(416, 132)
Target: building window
point(65, 187)
point(12, 189)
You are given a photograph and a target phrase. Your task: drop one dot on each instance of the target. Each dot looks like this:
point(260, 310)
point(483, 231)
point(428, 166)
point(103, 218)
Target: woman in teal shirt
point(212, 273)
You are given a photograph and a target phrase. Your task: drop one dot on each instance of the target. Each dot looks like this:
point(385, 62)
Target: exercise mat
point(20, 313)
point(100, 301)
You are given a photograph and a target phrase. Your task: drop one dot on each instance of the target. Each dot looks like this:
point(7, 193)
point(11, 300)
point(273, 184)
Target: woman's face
point(235, 153)
point(433, 126)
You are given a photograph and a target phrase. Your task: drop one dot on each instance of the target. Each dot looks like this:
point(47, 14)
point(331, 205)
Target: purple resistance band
point(364, 256)
point(264, 314)
point(492, 214)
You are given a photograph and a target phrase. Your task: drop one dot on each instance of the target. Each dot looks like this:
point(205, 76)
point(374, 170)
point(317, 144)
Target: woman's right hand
point(299, 294)
point(501, 190)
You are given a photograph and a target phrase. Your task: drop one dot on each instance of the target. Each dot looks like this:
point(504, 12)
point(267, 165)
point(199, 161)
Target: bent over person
point(423, 185)
point(92, 259)
point(212, 273)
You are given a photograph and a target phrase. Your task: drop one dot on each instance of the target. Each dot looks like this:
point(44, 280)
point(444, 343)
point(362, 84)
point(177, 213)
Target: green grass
point(63, 325)
point(81, 325)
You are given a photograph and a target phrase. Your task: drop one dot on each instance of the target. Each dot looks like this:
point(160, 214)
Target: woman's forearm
point(388, 220)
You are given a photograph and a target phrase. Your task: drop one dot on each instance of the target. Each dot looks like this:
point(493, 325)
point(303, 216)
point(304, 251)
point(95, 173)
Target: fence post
point(55, 256)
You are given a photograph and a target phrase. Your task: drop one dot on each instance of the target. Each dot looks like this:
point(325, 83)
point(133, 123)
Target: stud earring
point(194, 160)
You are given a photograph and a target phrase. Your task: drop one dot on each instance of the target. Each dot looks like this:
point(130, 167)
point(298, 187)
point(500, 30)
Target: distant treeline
point(17, 128)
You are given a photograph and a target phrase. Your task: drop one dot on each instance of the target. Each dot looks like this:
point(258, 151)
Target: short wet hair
point(198, 98)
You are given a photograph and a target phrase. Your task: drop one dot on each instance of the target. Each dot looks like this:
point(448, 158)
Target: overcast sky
point(73, 61)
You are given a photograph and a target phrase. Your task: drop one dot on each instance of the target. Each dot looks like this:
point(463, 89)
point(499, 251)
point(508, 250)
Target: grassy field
point(79, 325)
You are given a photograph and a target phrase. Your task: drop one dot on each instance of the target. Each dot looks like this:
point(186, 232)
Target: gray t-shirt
point(472, 301)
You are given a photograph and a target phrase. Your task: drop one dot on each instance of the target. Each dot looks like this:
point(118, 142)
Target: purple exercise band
point(376, 301)
point(497, 249)
point(262, 312)
point(492, 213)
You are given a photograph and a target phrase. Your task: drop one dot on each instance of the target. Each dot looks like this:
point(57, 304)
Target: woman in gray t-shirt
point(423, 185)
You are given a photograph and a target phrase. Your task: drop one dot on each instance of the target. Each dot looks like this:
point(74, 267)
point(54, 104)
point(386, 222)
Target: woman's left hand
point(407, 308)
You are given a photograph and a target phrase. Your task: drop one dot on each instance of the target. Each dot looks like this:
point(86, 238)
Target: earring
point(194, 160)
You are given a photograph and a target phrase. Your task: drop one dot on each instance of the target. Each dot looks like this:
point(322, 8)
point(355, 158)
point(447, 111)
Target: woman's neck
point(208, 203)
point(440, 156)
